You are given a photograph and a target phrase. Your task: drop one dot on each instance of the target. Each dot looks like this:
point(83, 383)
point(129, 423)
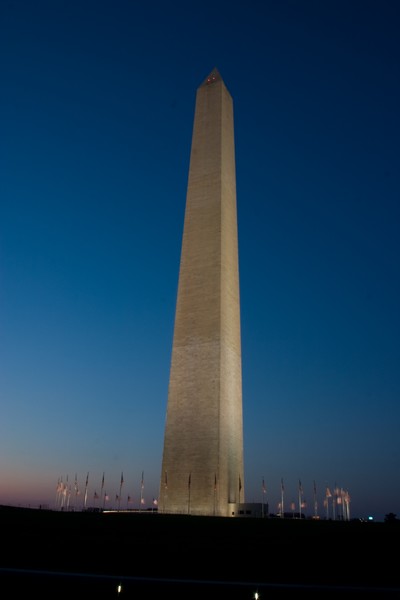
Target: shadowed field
point(156, 555)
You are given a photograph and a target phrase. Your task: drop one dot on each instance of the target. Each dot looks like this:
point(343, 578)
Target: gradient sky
point(97, 104)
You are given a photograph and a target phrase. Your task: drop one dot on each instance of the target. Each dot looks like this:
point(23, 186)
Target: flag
point(155, 501)
point(142, 483)
point(95, 496)
point(263, 486)
point(129, 499)
point(86, 488)
point(106, 497)
point(122, 478)
point(102, 482)
point(282, 486)
point(328, 493)
point(300, 487)
point(116, 497)
point(141, 500)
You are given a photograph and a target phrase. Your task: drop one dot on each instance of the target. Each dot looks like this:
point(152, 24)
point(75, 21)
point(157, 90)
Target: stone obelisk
point(202, 464)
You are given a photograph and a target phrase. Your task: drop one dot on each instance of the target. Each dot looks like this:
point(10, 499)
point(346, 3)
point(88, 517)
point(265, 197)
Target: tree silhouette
point(390, 518)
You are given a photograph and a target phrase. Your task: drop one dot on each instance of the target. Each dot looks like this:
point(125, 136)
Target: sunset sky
point(97, 104)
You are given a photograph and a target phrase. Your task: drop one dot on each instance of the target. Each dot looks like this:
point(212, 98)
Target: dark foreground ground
point(52, 554)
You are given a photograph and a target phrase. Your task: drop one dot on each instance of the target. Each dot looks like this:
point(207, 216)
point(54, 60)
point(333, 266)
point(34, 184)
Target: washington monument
point(202, 463)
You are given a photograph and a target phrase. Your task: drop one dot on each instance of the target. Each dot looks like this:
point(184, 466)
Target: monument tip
point(213, 76)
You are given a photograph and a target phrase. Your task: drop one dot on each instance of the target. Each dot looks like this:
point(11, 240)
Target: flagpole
point(263, 494)
point(300, 493)
point(315, 501)
point(120, 488)
point(262, 501)
point(327, 496)
point(165, 495)
point(282, 494)
point(189, 481)
point(58, 492)
point(86, 491)
point(327, 508)
point(348, 505)
point(215, 491)
point(61, 494)
point(102, 486)
point(141, 491)
point(65, 495)
point(265, 502)
point(76, 491)
point(333, 503)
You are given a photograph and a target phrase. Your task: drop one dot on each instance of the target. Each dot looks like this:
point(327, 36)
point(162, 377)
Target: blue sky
point(97, 107)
